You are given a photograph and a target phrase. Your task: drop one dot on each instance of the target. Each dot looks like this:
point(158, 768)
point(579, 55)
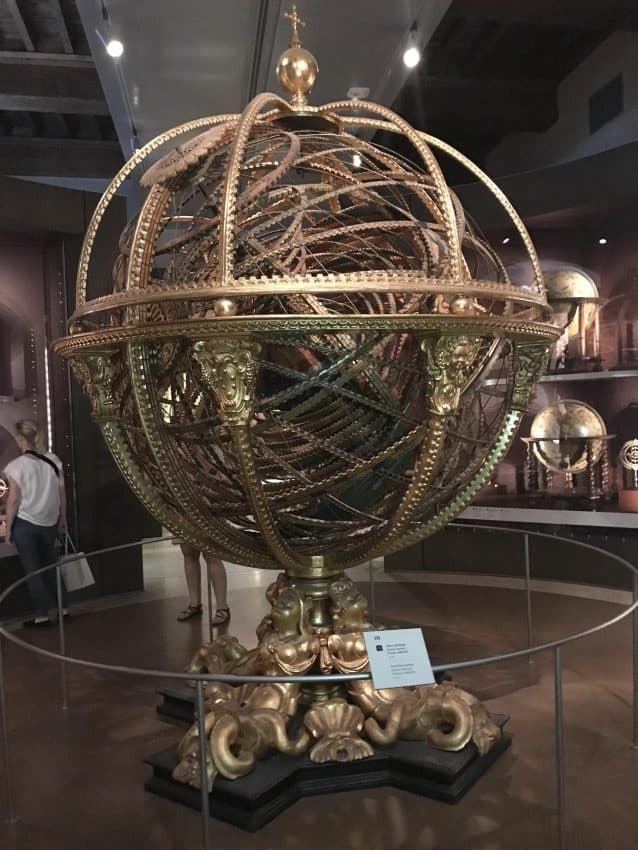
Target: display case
point(591, 264)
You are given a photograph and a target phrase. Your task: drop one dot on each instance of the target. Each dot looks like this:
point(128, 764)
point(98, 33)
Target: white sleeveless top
point(40, 487)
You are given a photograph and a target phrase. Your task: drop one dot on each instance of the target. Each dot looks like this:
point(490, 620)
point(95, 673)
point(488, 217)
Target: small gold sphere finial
point(225, 307)
point(297, 68)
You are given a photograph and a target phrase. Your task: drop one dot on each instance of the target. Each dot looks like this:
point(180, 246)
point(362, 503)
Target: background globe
point(567, 288)
point(559, 431)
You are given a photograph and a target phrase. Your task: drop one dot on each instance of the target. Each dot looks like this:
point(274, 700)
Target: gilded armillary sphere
point(290, 366)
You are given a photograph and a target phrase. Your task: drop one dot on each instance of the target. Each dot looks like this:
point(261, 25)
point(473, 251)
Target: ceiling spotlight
point(602, 241)
point(412, 54)
point(115, 48)
point(412, 57)
point(356, 160)
point(506, 240)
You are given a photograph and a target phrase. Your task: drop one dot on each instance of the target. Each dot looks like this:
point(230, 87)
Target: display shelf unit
point(603, 518)
point(570, 377)
point(589, 376)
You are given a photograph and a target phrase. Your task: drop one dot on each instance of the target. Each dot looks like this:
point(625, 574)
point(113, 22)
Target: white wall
point(569, 137)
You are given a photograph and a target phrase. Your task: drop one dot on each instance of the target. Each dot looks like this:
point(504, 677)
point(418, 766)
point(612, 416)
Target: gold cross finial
point(296, 22)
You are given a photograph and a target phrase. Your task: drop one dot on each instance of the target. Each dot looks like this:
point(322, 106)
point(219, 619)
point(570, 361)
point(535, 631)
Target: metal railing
point(200, 679)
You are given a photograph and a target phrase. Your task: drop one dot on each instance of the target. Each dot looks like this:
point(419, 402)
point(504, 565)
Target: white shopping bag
point(74, 567)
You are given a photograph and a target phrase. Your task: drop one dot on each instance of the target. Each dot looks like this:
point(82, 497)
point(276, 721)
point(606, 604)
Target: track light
point(412, 54)
point(114, 48)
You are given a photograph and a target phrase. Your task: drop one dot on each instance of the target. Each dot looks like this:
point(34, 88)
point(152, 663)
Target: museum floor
point(79, 774)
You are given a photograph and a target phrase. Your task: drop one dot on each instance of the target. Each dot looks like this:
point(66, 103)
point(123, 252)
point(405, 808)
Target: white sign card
point(398, 657)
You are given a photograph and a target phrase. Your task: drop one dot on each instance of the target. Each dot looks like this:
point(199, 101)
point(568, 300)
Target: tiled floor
point(78, 775)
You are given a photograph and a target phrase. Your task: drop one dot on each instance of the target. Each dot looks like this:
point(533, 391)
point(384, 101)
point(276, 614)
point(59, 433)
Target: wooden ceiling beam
point(18, 20)
point(31, 157)
point(39, 87)
point(469, 111)
point(482, 86)
point(42, 103)
point(49, 60)
point(471, 101)
point(611, 14)
point(64, 32)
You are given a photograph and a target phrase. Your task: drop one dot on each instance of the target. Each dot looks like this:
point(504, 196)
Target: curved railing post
point(635, 659)
point(528, 594)
point(58, 579)
point(560, 749)
point(203, 764)
point(372, 600)
point(6, 747)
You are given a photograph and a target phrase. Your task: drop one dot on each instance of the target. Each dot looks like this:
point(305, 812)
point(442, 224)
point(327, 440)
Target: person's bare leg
point(193, 573)
point(217, 576)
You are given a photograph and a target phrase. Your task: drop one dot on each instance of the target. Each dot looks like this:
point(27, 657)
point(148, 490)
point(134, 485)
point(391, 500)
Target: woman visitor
point(35, 514)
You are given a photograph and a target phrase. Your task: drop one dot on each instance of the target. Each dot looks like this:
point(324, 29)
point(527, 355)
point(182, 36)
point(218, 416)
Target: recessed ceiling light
point(602, 241)
point(115, 48)
point(358, 93)
point(412, 57)
point(506, 240)
point(356, 160)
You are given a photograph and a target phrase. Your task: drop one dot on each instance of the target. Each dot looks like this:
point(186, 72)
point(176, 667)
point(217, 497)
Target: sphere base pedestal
point(279, 780)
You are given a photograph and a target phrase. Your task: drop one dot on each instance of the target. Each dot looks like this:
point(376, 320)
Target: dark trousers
point(36, 548)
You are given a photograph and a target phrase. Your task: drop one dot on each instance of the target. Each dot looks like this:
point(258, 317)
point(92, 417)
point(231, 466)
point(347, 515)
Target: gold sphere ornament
point(297, 68)
point(225, 307)
point(295, 367)
point(297, 72)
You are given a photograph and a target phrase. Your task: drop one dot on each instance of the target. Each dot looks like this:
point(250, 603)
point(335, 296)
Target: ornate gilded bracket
point(96, 372)
point(531, 360)
point(229, 369)
point(451, 362)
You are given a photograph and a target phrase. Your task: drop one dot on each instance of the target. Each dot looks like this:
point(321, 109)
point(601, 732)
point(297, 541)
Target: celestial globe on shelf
point(561, 432)
point(574, 298)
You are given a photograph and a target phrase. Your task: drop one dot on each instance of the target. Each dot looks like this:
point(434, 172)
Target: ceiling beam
point(40, 87)
point(463, 101)
point(611, 14)
point(42, 103)
point(59, 157)
point(485, 86)
point(64, 32)
point(16, 14)
point(50, 60)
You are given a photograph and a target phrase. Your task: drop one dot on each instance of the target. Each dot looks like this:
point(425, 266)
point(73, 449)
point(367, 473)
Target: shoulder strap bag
point(45, 459)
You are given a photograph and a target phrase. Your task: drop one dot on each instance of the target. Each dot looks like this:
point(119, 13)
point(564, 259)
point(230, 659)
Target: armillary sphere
point(291, 369)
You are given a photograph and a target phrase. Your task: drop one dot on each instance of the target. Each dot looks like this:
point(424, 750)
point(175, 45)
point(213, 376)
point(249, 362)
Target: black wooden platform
point(278, 781)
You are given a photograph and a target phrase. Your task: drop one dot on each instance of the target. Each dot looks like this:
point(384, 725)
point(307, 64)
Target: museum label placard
point(398, 658)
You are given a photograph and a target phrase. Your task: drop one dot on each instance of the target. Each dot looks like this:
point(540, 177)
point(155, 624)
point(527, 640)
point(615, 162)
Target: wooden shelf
point(589, 376)
point(610, 518)
point(609, 375)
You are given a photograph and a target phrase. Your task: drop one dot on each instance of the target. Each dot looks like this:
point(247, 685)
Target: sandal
point(189, 612)
point(221, 616)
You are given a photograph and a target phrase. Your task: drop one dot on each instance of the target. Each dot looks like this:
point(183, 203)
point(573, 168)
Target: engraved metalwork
point(628, 455)
point(336, 725)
